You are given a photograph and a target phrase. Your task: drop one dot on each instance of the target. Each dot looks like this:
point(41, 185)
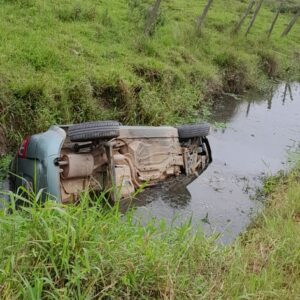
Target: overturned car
point(67, 160)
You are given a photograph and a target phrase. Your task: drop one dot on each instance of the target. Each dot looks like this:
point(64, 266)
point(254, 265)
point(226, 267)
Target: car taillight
point(23, 148)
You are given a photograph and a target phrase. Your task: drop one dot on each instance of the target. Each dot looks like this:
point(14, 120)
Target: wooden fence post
point(242, 20)
point(275, 19)
point(291, 24)
point(254, 16)
point(152, 17)
point(201, 18)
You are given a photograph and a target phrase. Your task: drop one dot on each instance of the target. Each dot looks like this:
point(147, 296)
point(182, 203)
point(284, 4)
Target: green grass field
point(73, 61)
point(91, 252)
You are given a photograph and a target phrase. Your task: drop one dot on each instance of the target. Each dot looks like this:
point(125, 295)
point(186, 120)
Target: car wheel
point(190, 131)
point(94, 130)
point(11, 185)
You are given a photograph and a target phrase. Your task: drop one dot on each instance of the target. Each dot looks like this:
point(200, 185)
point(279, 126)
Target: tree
point(254, 16)
point(242, 20)
point(291, 24)
point(152, 17)
point(201, 18)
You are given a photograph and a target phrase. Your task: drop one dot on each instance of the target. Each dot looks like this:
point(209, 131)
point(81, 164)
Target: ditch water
point(257, 141)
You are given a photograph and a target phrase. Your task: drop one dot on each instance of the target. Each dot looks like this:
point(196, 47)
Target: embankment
point(63, 62)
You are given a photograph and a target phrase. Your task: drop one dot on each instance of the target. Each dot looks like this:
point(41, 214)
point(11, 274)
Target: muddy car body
point(65, 161)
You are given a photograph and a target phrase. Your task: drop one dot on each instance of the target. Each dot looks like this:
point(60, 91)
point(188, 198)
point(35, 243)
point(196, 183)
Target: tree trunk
point(274, 20)
point(201, 18)
point(291, 24)
point(152, 17)
point(242, 20)
point(254, 16)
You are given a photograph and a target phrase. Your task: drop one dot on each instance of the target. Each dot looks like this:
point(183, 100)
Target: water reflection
point(224, 110)
point(260, 134)
point(270, 98)
point(287, 88)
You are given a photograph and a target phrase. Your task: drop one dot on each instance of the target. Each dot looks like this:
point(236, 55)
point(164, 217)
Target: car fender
point(47, 147)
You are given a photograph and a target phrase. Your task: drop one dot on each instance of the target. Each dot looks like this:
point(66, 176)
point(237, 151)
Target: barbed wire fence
point(153, 14)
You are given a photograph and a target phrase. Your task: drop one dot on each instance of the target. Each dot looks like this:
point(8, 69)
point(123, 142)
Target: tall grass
point(265, 261)
point(91, 251)
point(4, 166)
point(87, 251)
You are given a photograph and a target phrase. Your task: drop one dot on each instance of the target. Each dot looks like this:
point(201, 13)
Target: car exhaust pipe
point(76, 165)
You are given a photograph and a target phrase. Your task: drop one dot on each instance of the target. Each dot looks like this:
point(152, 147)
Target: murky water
point(256, 142)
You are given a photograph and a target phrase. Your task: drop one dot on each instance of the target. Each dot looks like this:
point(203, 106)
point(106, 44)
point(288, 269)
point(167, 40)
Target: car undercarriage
point(101, 156)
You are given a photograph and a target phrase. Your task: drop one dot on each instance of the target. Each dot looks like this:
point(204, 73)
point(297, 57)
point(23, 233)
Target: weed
point(76, 12)
point(4, 165)
point(105, 18)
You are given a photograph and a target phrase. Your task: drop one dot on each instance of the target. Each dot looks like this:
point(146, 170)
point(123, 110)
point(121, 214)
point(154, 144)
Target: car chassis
point(65, 161)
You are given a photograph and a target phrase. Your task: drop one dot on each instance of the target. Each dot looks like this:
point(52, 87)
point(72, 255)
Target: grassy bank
point(265, 262)
point(66, 61)
point(88, 252)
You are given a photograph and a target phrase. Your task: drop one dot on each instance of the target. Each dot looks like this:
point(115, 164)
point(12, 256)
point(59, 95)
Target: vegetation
point(88, 252)
point(72, 61)
point(4, 166)
point(264, 263)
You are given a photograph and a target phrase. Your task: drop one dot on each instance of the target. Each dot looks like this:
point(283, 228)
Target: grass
point(73, 61)
point(88, 251)
point(4, 166)
point(265, 262)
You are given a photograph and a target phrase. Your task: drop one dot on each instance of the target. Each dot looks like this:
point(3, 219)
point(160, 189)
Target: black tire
point(190, 131)
point(11, 184)
point(94, 130)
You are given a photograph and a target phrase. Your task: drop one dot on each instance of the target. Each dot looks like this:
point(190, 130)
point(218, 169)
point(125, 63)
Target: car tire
point(190, 131)
point(94, 130)
point(11, 185)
